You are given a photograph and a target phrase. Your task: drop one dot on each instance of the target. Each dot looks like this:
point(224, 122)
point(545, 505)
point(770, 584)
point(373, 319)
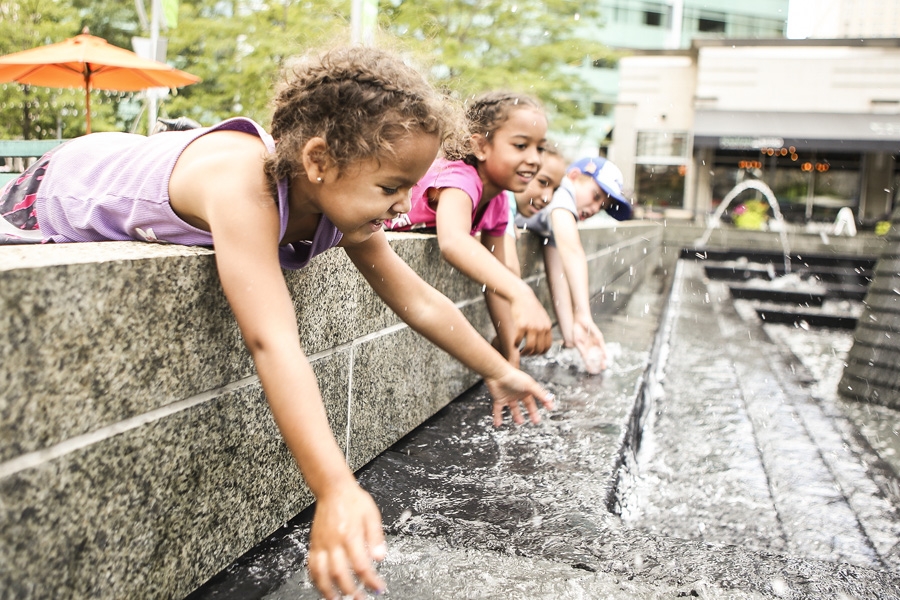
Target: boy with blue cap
point(590, 185)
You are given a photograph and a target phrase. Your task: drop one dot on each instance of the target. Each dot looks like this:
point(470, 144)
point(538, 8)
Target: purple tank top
point(115, 186)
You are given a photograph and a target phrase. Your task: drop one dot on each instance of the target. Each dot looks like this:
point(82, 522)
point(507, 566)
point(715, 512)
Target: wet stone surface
point(754, 453)
point(725, 498)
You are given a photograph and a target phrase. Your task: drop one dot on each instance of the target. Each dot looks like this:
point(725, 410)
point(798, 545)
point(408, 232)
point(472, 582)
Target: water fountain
point(769, 195)
point(539, 512)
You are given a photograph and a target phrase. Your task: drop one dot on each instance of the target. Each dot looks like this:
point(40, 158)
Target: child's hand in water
point(590, 344)
point(532, 324)
point(346, 538)
point(512, 388)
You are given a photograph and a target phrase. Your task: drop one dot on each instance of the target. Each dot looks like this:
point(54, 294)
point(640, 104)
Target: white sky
point(800, 17)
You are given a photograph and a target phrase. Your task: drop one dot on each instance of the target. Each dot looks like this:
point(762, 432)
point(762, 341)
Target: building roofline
point(654, 52)
point(698, 43)
point(810, 42)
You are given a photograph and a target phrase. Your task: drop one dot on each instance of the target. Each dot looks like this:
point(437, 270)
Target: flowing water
point(769, 195)
point(718, 465)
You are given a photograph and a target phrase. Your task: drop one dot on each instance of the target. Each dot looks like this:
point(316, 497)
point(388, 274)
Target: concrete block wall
point(137, 453)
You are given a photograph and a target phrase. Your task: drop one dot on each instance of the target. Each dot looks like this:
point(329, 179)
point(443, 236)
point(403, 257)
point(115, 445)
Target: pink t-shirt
point(459, 175)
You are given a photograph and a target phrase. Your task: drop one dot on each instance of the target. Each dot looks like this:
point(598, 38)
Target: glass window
point(834, 189)
point(602, 109)
point(660, 186)
point(662, 143)
point(653, 18)
point(808, 186)
point(791, 187)
point(605, 63)
point(711, 26)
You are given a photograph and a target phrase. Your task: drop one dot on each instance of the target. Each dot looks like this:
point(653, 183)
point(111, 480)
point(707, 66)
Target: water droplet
point(779, 587)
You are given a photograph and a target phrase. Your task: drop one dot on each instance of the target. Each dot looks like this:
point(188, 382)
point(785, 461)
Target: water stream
point(769, 195)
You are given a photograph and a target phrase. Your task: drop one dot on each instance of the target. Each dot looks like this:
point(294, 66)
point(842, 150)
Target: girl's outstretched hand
point(532, 323)
point(512, 388)
point(346, 538)
point(590, 344)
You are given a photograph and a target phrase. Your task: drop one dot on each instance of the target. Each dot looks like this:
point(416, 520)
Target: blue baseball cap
point(610, 179)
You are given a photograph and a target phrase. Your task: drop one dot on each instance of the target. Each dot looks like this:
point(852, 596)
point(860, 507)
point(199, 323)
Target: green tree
point(26, 111)
point(39, 112)
point(239, 53)
point(238, 48)
point(532, 46)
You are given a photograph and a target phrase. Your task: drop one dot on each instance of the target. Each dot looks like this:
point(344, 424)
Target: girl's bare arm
point(243, 219)
point(568, 243)
point(434, 316)
point(504, 249)
point(585, 333)
point(470, 257)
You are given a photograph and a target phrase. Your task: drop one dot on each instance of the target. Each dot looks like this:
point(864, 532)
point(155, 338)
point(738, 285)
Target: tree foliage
point(531, 46)
point(238, 48)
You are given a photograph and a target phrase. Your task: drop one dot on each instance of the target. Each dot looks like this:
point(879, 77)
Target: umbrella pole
point(87, 99)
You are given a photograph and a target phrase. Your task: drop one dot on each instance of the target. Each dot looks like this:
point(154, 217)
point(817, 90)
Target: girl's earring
point(319, 179)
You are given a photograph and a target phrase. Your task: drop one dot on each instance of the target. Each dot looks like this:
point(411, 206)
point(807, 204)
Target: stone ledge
point(138, 456)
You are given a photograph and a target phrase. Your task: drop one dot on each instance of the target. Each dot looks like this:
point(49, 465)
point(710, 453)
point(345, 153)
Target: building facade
point(860, 19)
point(818, 121)
point(627, 25)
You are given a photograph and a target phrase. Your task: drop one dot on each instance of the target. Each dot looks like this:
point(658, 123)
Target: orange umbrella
point(92, 62)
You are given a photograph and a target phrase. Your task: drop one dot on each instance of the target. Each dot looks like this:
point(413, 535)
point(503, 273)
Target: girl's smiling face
point(359, 200)
point(540, 190)
point(510, 157)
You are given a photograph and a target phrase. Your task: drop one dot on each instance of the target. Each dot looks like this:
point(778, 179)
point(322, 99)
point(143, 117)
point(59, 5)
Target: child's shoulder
point(451, 173)
point(227, 157)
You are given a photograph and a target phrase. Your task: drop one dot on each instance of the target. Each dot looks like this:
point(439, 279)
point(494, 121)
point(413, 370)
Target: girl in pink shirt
point(460, 199)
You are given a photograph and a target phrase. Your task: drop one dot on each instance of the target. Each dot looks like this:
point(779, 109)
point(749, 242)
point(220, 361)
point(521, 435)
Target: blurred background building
point(726, 96)
point(826, 19)
point(629, 25)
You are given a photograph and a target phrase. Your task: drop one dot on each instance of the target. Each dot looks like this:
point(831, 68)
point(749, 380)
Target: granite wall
point(871, 374)
point(137, 453)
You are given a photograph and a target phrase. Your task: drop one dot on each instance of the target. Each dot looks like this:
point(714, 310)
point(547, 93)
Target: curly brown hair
point(487, 112)
point(361, 101)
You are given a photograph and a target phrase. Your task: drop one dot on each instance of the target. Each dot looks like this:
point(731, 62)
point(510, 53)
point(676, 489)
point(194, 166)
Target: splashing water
point(770, 198)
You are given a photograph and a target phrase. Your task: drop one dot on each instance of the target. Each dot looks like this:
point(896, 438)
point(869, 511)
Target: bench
point(21, 153)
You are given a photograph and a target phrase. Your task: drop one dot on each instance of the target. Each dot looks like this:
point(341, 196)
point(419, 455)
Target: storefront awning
point(842, 132)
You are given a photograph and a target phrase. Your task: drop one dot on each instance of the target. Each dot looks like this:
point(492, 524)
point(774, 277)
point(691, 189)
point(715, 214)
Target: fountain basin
point(546, 512)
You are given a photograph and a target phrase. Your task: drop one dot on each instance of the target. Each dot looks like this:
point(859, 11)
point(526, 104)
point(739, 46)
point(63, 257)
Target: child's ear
point(316, 160)
point(479, 145)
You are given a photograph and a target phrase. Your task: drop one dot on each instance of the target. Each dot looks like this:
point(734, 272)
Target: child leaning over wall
point(356, 128)
point(588, 186)
point(460, 199)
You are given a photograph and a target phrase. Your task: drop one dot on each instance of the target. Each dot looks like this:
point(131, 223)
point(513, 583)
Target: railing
point(19, 154)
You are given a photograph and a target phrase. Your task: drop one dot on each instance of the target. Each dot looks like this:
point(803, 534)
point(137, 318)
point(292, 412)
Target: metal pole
point(152, 107)
point(355, 21)
point(363, 21)
point(677, 15)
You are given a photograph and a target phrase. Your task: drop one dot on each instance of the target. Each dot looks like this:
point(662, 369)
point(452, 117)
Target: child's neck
point(489, 189)
point(303, 216)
